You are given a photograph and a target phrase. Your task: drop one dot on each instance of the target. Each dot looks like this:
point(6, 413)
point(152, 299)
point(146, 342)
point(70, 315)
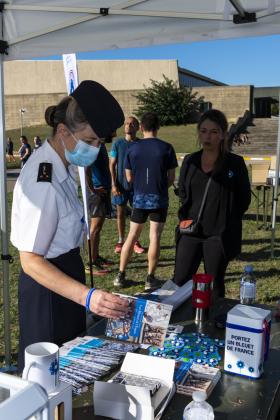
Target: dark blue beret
point(101, 109)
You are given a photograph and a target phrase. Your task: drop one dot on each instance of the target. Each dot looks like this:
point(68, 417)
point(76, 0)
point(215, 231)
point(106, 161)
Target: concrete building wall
point(128, 75)
point(44, 77)
point(263, 92)
point(33, 77)
point(232, 100)
point(36, 105)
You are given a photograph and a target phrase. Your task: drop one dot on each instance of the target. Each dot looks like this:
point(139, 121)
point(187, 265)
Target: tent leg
point(275, 190)
point(4, 224)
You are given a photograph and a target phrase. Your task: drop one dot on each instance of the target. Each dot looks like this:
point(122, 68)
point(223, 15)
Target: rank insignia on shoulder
point(45, 172)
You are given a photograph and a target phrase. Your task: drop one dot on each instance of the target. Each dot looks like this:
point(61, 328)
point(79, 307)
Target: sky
point(243, 61)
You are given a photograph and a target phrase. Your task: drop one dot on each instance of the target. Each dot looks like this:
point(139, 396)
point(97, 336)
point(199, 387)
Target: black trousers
point(45, 315)
point(190, 251)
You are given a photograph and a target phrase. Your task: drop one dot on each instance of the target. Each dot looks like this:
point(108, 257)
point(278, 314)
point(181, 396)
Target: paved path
point(12, 175)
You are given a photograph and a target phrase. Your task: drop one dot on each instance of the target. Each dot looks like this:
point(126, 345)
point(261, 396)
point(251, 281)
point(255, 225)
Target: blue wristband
point(90, 292)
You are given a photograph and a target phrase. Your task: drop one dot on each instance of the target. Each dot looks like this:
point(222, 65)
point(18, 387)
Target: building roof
point(198, 76)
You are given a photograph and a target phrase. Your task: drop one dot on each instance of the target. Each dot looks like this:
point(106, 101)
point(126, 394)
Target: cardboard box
point(247, 340)
point(259, 173)
point(127, 402)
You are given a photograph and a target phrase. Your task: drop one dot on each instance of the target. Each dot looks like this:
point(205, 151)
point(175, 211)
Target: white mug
point(42, 365)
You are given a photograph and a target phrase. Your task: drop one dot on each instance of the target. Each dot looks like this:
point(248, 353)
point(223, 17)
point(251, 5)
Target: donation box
point(247, 340)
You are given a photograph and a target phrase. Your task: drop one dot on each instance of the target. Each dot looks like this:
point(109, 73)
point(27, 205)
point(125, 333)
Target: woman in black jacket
point(229, 195)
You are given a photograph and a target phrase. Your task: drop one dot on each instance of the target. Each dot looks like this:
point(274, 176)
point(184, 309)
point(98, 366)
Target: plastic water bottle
point(248, 286)
point(198, 409)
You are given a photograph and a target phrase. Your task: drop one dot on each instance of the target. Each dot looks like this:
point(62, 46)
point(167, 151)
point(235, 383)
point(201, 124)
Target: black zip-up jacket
point(235, 197)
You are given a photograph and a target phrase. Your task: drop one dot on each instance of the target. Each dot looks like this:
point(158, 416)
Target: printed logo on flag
point(70, 71)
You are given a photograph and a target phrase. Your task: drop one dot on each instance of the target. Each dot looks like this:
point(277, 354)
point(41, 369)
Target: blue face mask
point(83, 155)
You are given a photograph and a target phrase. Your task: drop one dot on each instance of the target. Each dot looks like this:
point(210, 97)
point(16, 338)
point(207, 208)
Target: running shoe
point(152, 283)
point(118, 247)
point(138, 249)
point(103, 261)
point(120, 279)
point(97, 269)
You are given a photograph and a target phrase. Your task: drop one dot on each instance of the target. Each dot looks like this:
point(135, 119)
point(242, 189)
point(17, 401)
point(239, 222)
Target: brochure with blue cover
point(146, 322)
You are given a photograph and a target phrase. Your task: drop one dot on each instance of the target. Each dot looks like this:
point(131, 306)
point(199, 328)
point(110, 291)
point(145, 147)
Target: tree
point(174, 104)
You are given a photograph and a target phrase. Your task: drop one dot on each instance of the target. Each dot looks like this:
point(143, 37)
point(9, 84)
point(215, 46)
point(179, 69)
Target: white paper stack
point(174, 295)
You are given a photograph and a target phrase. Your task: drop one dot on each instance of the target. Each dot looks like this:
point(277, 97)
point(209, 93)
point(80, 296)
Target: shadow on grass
point(167, 247)
point(277, 297)
point(257, 241)
point(253, 216)
point(260, 274)
point(166, 262)
point(260, 255)
point(138, 260)
point(132, 266)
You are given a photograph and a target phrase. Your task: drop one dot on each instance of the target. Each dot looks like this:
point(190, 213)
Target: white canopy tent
point(37, 28)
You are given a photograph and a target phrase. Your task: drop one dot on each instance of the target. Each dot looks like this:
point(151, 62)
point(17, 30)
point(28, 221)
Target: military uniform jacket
point(47, 216)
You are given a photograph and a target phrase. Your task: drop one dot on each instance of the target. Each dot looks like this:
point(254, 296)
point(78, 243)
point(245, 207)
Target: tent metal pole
point(118, 11)
point(275, 189)
point(4, 224)
point(238, 7)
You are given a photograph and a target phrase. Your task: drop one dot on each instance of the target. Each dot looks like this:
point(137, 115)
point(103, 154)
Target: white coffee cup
point(42, 365)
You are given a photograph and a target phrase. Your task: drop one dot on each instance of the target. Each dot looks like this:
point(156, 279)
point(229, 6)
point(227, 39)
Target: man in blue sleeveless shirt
point(122, 190)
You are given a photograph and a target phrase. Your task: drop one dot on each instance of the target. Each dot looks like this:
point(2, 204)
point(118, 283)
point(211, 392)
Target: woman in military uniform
point(48, 222)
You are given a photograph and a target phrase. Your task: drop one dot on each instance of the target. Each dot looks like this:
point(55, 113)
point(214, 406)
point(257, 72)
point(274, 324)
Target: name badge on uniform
point(45, 172)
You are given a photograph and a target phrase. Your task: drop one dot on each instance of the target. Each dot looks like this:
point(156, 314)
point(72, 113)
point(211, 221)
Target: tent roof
point(39, 28)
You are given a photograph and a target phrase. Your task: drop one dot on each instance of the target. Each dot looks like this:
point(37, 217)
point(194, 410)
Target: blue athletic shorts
point(123, 198)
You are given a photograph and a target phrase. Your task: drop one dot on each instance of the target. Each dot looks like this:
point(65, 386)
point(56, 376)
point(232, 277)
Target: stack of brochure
point(199, 378)
point(171, 294)
point(87, 359)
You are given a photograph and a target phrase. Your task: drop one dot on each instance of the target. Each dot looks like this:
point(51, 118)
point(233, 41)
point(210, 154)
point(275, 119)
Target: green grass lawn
point(256, 250)
point(182, 137)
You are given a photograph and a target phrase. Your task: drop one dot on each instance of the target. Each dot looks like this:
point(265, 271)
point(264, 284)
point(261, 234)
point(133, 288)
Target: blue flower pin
point(54, 367)
point(240, 364)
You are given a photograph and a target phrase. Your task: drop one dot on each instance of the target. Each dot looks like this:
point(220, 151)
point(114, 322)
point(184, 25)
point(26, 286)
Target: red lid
point(202, 278)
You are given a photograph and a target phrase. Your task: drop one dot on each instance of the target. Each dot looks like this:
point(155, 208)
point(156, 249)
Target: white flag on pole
point(72, 81)
point(70, 72)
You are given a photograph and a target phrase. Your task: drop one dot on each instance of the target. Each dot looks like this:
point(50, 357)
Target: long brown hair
point(220, 119)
